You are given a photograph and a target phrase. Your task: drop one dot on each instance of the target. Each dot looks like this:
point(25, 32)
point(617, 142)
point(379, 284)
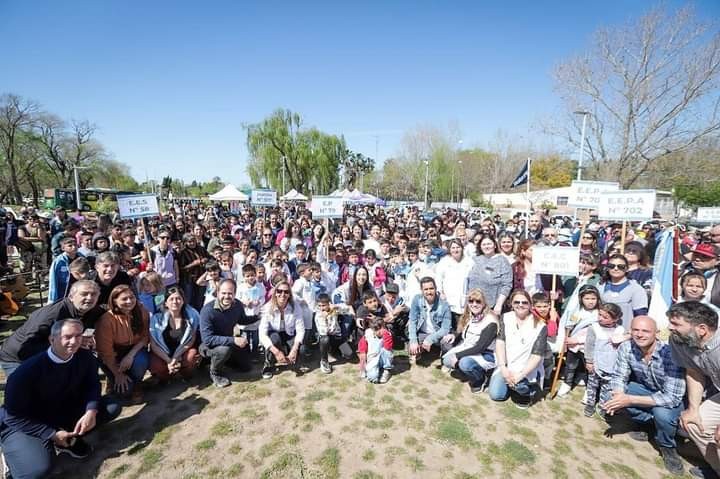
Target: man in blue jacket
point(430, 319)
point(51, 401)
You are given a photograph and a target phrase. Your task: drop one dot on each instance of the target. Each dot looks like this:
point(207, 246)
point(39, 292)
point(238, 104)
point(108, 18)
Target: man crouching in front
point(51, 401)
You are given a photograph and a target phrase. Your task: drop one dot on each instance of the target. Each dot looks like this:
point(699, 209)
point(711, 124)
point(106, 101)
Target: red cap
point(706, 249)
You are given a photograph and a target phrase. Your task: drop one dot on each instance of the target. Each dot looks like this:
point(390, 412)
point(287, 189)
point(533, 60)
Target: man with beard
point(647, 383)
point(32, 337)
point(695, 345)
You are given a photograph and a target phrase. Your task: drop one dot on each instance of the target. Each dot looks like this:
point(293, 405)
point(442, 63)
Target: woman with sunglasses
point(173, 334)
point(471, 349)
point(617, 288)
point(281, 330)
point(639, 268)
point(589, 243)
point(122, 338)
point(519, 351)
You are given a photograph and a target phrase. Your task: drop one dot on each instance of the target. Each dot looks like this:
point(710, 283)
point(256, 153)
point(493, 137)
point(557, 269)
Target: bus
point(90, 198)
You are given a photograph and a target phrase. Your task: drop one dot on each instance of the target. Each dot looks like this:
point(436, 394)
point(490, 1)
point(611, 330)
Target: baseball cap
point(392, 288)
point(706, 249)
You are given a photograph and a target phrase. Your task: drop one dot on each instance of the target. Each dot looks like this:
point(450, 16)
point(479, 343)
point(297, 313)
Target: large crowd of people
point(150, 301)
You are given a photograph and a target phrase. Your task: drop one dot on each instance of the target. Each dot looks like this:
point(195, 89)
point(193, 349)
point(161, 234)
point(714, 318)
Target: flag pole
point(527, 216)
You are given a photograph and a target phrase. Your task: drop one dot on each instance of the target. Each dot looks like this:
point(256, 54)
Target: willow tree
point(309, 158)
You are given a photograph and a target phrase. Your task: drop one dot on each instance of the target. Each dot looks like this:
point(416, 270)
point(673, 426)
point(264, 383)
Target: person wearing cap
point(705, 261)
point(398, 310)
point(649, 385)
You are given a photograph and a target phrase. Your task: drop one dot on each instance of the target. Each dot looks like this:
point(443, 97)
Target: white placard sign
point(627, 205)
point(586, 194)
point(263, 197)
point(709, 214)
point(327, 206)
point(561, 260)
point(138, 206)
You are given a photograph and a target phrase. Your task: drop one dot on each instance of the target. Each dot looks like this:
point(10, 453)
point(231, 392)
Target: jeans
point(347, 326)
point(573, 361)
point(220, 355)
point(500, 391)
point(140, 365)
point(385, 361)
point(472, 369)
point(665, 418)
point(188, 363)
point(31, 457)
point(284, 342)
point(329, 342)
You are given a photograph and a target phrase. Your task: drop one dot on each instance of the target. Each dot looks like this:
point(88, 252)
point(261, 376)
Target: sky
point(170, 84)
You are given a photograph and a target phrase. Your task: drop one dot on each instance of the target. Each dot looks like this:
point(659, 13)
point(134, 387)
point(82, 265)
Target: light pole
point(283, 174)
point(459, 184)
point(584, 114)
point(78, 203)
point(427, 178)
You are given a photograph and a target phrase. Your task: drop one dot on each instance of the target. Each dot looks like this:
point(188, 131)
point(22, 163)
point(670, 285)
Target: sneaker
point(325, 367)
point(385, 377)
point(589, 410)
point(672, 460)
point(477, 388)
point(641, 436)
point(564, 390)
point(447, 370)
point(362, 374)
point(267, 372)
point(703, 472)
point(412, 359)
point(523, 402)
point(78, 450)
point(219, 381)
point(581, 383)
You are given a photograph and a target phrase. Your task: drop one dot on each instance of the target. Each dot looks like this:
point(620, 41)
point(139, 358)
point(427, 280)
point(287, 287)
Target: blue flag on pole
point(522, 177)
point(662, 278)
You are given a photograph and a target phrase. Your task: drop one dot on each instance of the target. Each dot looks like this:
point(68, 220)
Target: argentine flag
point(661, 299)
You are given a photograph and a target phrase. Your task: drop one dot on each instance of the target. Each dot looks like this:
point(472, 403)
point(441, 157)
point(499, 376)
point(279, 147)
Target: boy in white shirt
point(251, 294)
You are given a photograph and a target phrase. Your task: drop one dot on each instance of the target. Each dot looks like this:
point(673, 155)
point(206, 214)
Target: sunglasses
point(474, 301)
point(588, 237)
point(521, 302)
point(267, 236)
point(282, 291)
point(621, 267)
point(164, 237)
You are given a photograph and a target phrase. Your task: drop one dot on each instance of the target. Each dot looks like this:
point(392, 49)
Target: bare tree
point(651, 90)
point(17, 117)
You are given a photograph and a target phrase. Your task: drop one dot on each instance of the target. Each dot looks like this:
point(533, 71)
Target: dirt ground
point(422, 424)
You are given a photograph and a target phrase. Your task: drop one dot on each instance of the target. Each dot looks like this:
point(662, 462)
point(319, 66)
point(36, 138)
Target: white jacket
point(451, 277)
point(293, 324)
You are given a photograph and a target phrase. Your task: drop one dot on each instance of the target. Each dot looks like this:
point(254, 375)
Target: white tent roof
point(293, 195)
point(229, 193)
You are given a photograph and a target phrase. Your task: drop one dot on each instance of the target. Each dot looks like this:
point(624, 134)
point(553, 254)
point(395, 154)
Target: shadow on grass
point(150, 426)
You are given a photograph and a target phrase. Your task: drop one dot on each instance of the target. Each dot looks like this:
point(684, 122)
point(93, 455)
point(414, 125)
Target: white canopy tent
point(229, 193)
point(293, 195)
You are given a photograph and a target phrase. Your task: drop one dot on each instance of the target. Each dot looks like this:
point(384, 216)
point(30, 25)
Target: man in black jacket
point(107, 266)
point(32, 337)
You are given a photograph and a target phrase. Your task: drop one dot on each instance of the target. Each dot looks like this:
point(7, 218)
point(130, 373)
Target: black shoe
point(703, 472)
point(672, 460)
point(268, 371)
point(79, 449)
point(641, 436)
point(523, 402)
point(477, 388)
point(219, 381)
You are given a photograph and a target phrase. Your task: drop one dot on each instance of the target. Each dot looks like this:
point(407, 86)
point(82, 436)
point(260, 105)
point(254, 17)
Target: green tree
point(309, 158)
point(355, 165)
point(704, 194)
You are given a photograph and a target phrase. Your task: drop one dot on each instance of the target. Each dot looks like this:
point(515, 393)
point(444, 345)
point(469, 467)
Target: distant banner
point(327, 207)
point(708, 214)
point(138, 206)
point(263, 197)
point(586, 194)
point(560, 260)
point(627, 205)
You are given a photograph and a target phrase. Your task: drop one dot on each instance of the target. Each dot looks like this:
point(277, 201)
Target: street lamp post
point(78, 203)
point(459, 184)
point(427, 179)
point(584, 114)
point(283, 174)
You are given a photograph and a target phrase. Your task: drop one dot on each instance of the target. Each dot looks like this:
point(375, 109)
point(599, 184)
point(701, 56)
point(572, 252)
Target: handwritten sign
point(138, 206)
point(327, 207)
point(586, 194)
point(263, 197)
point(627, 205)
point(561, 260)
point(709, 214)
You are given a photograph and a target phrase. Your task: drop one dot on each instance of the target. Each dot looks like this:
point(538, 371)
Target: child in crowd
point(542, 309)
point(375, 350)
point(576, 329)
point(370, 309)
point(328, 329)
point(398, 312)
point(251, 294)
point(262, 279)
point(226, 265)
point(295, 262)
point(302, 288)
point(210, 279)
point(60, 269)
point(375, 271)
point(601, 344)
point(151, 292)
point(347, 271)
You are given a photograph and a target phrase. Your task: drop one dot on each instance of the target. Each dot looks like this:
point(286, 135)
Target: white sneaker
point(564, 389)
point(581, 383)
point(325, 367)
point(5, 468)
point(385, 376)
point(447, 370)
point(362, 374)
